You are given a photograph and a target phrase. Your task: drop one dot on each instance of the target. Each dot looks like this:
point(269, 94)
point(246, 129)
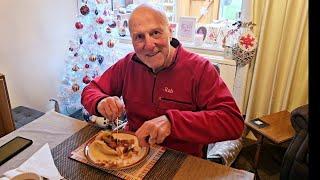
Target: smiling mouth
point(152, 54)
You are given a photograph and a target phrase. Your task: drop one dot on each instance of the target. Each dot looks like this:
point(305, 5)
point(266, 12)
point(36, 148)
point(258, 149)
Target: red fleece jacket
point(190, 92)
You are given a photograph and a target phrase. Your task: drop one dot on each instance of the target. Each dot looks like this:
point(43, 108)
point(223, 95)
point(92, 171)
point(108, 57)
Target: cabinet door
point(6, 120)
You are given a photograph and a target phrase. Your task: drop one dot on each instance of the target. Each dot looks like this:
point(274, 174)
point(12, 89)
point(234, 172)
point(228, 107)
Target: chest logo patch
point(168, 90)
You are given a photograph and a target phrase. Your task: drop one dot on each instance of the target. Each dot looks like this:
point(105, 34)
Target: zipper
point(154, 84)
point(172, 100)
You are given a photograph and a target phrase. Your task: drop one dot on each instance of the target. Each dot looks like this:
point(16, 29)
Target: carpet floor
point(270, 160)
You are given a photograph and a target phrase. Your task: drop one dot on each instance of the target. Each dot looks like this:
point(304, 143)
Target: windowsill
point(214, 53)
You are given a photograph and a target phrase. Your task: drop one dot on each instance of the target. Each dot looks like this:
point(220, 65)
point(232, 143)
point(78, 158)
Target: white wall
point(34, 36)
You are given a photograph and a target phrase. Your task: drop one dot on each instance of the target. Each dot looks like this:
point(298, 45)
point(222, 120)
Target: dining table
point(64, 134)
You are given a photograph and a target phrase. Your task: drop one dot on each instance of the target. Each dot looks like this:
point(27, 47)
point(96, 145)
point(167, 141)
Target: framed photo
point(186, 29)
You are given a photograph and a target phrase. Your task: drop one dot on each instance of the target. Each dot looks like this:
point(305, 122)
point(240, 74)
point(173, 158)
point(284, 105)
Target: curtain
point(278, 78)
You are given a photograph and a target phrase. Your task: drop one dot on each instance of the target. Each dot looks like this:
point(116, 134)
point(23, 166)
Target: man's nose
point(149, 43)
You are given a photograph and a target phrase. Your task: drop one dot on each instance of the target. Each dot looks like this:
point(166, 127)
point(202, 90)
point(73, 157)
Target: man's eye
point(156, 34)
point(139, 37)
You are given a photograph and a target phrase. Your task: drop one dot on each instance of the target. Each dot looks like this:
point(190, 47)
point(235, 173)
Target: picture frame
point(186, 28)
point(202, 30)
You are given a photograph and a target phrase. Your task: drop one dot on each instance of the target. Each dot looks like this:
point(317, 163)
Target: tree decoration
point(75, 87)
point(100, 42)
point(92, 58)
point(122, 32)
point(78, 25)
point(244, 50)
point(100, 59)
point(112, 24)
point(87, 56)
point(108, 30)
point(248, 41)
point(86, 79)
point(84, 10)
point(75, 68)
point(100, 20)
point(110, 43)
point(95, 35)
point(81, 40)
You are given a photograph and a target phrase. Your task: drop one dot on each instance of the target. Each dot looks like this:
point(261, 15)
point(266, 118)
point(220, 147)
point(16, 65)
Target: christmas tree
point(90, 53)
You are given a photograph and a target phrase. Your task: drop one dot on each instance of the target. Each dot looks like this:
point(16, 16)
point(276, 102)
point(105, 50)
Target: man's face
point(151, 39)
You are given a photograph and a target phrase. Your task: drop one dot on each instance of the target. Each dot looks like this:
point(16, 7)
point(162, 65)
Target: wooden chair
point(6, 120)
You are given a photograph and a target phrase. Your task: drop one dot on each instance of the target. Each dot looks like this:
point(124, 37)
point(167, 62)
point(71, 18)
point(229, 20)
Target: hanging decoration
point(84, 10)
point(244, 50)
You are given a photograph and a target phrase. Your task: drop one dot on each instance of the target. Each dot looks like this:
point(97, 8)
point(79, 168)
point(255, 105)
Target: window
point(230, 9)
point(214, 9)
point(215, 16)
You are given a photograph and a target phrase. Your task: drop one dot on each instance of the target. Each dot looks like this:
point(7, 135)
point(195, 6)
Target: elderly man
point(171, 96)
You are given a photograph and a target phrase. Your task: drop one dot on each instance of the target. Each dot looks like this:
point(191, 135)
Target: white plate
point(121, 163)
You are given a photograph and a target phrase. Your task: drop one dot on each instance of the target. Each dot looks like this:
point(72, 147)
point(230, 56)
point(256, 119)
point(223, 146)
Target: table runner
point(165, 168)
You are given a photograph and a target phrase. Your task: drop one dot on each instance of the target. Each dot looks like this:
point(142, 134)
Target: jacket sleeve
point(218, 118)
point(108, 84)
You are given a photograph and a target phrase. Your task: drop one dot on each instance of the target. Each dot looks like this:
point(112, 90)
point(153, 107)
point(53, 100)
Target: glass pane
point(230, 9)
point(126, 6)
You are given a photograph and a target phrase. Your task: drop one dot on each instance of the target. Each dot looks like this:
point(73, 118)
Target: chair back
point(6, 119)
point(295, 163)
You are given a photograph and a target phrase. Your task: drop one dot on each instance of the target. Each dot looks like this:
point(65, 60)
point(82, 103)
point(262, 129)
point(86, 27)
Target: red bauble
point(99, 20)
point(86, 66)
point(86, 79)
point(79, 25)
point(100, 42)
point(75, 87)
point(110, 43)
point(84, 10)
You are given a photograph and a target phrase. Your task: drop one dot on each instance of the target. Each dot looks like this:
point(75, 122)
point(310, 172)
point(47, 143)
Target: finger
point(142, 134)
point(153, 136)
point(103, 110)
point(161, 136)
point(113, 108)
point(142, 141)
point(119, 105)
point(152, 141)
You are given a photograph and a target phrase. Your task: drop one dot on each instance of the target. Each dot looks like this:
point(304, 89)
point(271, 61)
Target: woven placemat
point(135, 173)
point(165, 168)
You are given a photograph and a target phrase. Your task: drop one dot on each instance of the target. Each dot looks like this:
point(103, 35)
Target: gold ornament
point(75, 87)
point(92, 58)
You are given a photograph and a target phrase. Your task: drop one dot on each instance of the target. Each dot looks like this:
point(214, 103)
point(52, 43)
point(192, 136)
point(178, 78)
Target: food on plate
point(115, 150)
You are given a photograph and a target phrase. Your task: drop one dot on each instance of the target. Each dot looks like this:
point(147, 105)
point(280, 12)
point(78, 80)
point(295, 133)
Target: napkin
point(41, 163)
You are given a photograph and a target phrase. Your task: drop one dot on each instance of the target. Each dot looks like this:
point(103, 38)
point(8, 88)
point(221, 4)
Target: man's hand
point(156, 129)
point(111, 107)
